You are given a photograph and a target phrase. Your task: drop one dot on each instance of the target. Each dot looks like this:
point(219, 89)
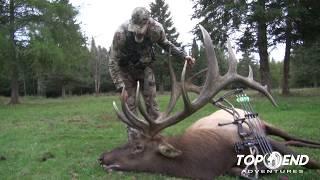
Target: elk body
point(205, 150)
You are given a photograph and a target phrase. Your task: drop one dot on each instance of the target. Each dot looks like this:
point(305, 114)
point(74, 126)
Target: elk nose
point(100, 160)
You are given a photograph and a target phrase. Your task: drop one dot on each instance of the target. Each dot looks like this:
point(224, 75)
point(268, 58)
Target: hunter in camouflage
point(132, 55)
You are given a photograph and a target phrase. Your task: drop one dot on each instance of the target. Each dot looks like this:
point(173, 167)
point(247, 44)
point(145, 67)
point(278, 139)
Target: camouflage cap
point(139, 19)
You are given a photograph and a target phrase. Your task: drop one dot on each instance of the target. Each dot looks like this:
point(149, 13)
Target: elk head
point(153, 153)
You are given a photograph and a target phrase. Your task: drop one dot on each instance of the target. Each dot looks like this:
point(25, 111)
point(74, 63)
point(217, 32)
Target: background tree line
point(43, 51)
point(262, 24)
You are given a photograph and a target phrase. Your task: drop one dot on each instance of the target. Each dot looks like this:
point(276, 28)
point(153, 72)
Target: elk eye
point(138, 148)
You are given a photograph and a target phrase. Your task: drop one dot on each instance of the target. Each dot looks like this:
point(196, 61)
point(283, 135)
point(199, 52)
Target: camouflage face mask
point(139, 23)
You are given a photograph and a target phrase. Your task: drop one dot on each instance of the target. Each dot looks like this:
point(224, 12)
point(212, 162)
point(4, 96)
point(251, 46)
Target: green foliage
point(262, 24)
point(222, 18)
point(98, 68)
point(305, 62)
point(276, 73)
point(218, 17)
point(160, 12)
point(16, 18)
point(199, 55)
point(201, 63)
point(244, 63)
point(66, 32)
point(43, 54)
point(45, 45)
point(195, 49)
point(76, 130)
point(306, 65)
point(3, 48)
point(308, 21)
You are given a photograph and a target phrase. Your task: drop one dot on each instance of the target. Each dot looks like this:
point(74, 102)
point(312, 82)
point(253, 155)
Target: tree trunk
point(24, 85)
point(286, 62)
point(34, 89)
point(95, 85)
point(13, 66)
point(263, 49)
point(96, 78)
point(40, 86)
point(14, 87)
point(99, 84)
point(315, 81)
point(63, 91)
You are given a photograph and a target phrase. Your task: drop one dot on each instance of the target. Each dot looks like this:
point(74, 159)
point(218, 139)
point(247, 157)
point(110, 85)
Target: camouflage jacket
point(125, 52)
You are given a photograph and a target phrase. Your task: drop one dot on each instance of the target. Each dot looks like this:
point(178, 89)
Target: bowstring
point(254, 130)
point(256, 123)
point(259, 126)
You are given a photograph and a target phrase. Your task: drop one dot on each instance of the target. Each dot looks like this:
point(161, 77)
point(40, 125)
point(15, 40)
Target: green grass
point(62, 138)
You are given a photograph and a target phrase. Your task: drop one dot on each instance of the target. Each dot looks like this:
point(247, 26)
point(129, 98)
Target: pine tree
point(195, 49)
point(222, 18)
point(95, 65)
point(160, 12)
point(244, 63)
point(199, 55)
point(65, 31)
point(42, 40)
point(15, 19)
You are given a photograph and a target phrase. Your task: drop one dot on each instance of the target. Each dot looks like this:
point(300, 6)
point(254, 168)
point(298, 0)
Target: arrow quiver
point(253, 140)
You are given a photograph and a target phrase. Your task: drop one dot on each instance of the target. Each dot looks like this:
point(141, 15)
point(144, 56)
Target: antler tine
point(213, 84)
point(140, 105)
point(134, 119)
point(175, 89)
point(232, 59)
point(213, 75)
point(233, 76)
point(185, 97)
point(209, 89)
point(257, 86)
point(189, 86)
point(213, 67)
point(197, 74)
point(123, 118)
point(250, 75)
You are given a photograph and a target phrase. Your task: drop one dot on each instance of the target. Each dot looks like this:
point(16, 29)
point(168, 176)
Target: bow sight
point(253, 140)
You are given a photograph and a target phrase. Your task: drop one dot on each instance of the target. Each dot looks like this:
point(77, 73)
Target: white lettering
point(249, 160)
point(300, 171)
point(274, 161)
point(259, 159)
point(285, 160)
point(294, 171)
point(306, 160)
point(239, 159)
point(294, 160)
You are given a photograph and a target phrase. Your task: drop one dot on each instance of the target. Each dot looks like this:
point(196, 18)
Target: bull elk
point(205, 150)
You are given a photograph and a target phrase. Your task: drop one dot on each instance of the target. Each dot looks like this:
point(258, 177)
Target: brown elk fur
point(207, 150)
point(205, 153)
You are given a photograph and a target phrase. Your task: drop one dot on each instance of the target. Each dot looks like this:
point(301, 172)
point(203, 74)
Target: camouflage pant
point(148, 89)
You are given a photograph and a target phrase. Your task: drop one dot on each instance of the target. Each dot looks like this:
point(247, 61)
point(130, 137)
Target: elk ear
point(168, 150)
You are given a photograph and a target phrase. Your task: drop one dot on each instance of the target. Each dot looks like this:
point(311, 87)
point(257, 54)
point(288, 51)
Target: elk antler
point(213, 84)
